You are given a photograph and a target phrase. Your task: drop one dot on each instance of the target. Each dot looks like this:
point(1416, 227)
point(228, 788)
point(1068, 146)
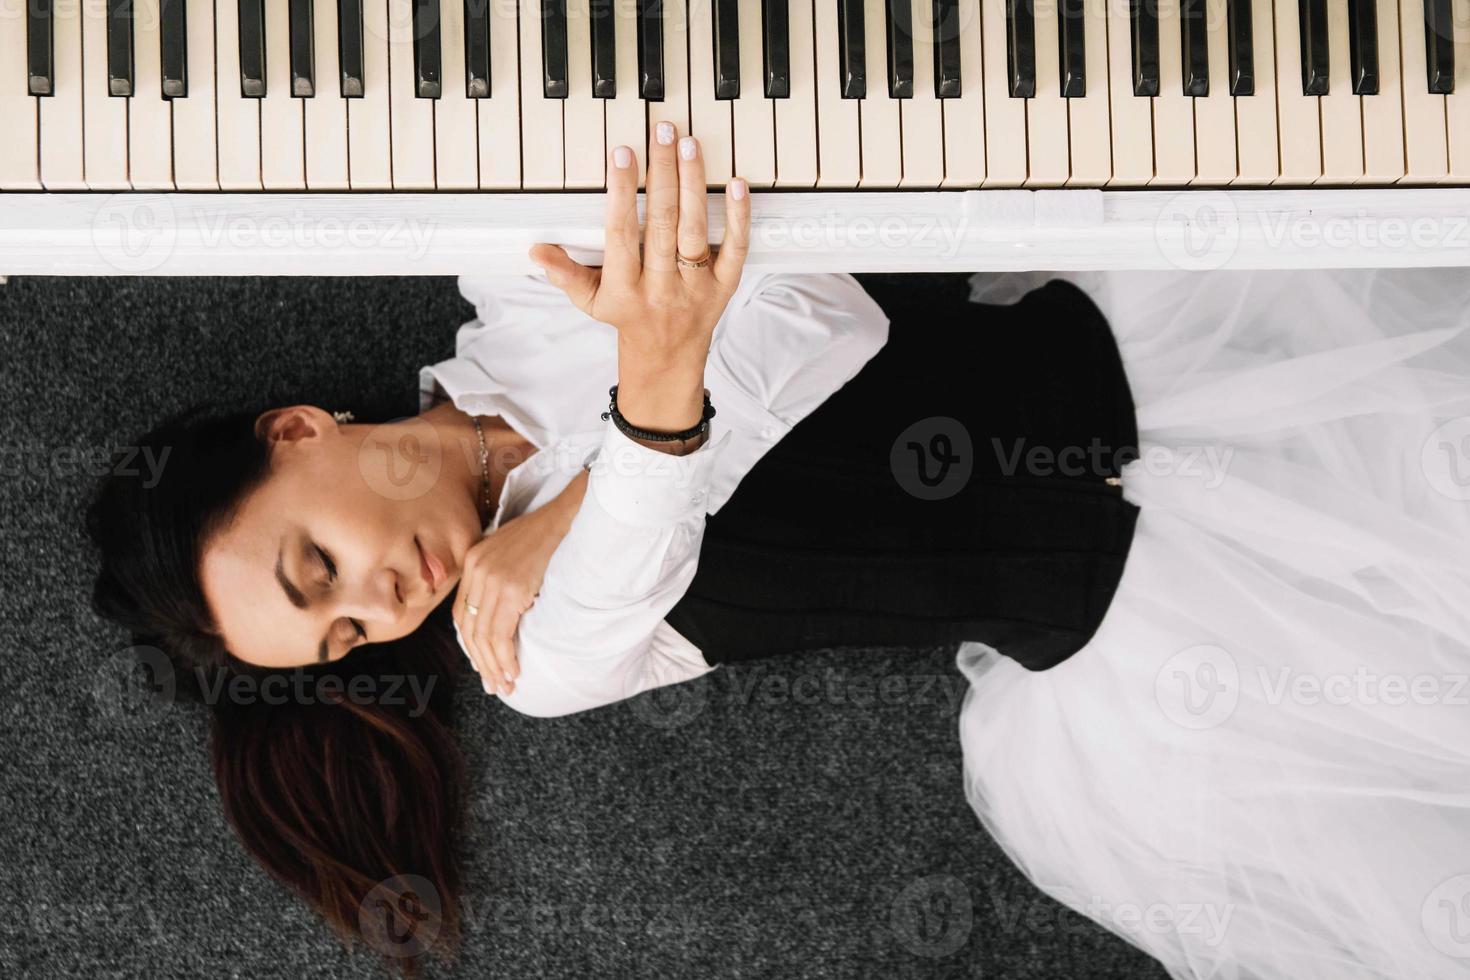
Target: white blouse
point(596, 634)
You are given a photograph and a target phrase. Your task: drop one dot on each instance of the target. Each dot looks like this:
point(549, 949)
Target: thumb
point(578, 281)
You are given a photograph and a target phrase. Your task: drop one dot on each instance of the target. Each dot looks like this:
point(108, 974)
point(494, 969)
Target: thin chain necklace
point(484, 467)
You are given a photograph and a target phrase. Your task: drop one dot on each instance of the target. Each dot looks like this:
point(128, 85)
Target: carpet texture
point(787, 818)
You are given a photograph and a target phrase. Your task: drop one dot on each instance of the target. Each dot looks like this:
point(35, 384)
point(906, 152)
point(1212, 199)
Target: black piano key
point(898, 19)
point(120, 48)
point(852, 48)
point(428, 64)
point(252, 49)
point(554, 82)
point(302, 55)
point(1363, 45)
point(1021, 48)
point(1072, 49)
point(776, 50)
point(1240, 42)
point(173, 48)
point(604, 49)
point(1144, 15)
point(40, 48)
point(1193, 52)
point(650, 50)
point(476, 48)
point(726, 45)
point(1439, 47)
point(947, 49)
point(349, 46)
point(1312, 16)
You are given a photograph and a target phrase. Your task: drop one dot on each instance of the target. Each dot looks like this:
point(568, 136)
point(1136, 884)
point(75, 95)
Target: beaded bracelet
point(631, 430)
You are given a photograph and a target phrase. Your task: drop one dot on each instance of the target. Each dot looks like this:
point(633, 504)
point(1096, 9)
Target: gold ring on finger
point(698, 263)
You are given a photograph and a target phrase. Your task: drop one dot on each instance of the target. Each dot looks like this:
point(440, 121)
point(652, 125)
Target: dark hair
point(354, 804)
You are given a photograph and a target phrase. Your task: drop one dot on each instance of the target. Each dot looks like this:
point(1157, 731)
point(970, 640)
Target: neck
point(461, 453)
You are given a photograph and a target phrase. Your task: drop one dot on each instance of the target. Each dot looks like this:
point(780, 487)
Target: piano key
point(325, 113)
point(1214, 111)
point(456, 133)
point(369, 131)
point(1439, 46)
point(1021, 48)
point(350, 47)
point(878, 113)
point(196, 165)
point(1314, 48)
point(1426, 150)
point(541, 110)
point(1173, 110)
point(150, 123)
point(1339, 109)
point(1194, 47)
point(921, 115)
point(1256, 144)
point(498, 114)
point(252, 48)
point(852, 47)
point(18, 112)
point(40, 57)
point(282, 134)
point(411, 118)
point(1297, 114)
point(947, 56)
point(120, 48)
point(625, 112)
point(776, 48)
point(604, 49)
point(1132, 120)
point(303, 28)
point(839, 150)
point(237, 115)
point(104, 118)
point(898, 23)
point(1457, 103)
point(1363, 45)
point(60, 119)
point(796, 113)
point(752, 113)
point(1144, 29)
point(1089, 123)
point(1005, 117)
point(650, 49)
point(552, 32)
point(1048, 148)
point(725, 48)
point(1241, 47)
point(173, 38)
point(583, 115)
point(709, 115)
point(1073, 49)
point(476, 14)
point(674, 106)
point(958, 29)
point(1383, 113)
point(427, 51)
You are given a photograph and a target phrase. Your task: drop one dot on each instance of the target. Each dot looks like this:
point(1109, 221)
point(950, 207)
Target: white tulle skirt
point(1260, 765)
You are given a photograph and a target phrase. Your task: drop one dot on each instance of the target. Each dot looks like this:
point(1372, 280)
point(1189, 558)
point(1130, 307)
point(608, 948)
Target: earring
point(343, 416)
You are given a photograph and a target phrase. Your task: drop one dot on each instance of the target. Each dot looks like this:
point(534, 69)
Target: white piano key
point(326, 112)
point(412, 118)
point(921, 118)
point(104, 118)
point(541, 118)
point(1457, 104)
point(675, 105)
point(196, 161)
point(1214, 114)
point(1047, 144)
point(282, 127)
point(625, 114)
point(61, 112)
point(709, 117)
point(238, 118)
point(796, 117)
point(1005, 117)
point(1297, 115)
point(878, 114)
point(1173, 110)
point(150, 124)
point(1383, 114)
point(456, 136)
point(1341, 110)
point(1255, 115)
point(839, 145)
point(1089, 128)
point(964, 117)
point(369, 140)
point(20, 149)
point(582, 115)
point(1132, 116)
point(1426, 149)
point(752, 115)
point(499, 116)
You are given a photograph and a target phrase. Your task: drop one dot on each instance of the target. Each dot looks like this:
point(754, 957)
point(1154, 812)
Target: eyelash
point(331, 568)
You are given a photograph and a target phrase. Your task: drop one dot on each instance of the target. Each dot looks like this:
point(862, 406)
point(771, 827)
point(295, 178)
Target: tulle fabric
point(1260, 765)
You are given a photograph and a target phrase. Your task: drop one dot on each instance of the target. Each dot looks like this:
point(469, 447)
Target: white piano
point(330, 137)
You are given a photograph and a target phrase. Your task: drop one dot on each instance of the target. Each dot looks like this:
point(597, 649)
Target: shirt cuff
point(643, 487)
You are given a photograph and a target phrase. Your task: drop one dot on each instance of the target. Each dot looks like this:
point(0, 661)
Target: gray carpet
point(724, 830)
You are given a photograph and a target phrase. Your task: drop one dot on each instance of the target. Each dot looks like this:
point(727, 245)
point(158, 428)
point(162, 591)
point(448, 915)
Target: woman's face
point(337, 547)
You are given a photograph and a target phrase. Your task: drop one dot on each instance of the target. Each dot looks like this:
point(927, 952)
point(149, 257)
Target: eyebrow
point(294, 594)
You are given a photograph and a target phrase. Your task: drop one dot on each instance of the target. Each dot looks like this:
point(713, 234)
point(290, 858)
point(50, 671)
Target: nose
point(380, 599)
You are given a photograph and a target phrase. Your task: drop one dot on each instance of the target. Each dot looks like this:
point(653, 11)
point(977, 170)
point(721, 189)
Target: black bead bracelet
point(629, 429)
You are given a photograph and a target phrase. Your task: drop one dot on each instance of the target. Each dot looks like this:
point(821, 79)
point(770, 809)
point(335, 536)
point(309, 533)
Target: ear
point(294, 422)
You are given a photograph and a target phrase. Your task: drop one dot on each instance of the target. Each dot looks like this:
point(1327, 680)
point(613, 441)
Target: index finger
point(736, 243)
point(620, 222)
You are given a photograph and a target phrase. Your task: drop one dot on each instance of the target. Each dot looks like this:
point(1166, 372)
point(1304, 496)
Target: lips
point(430, 567)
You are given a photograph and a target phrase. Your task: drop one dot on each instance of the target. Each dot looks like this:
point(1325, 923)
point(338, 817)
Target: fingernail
point(686, 148)
point(622, 157)
point(489, 688)
point(737, 188)
point(664, 133)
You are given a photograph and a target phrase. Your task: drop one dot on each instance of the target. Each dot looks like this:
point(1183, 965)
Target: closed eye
point(330, 567)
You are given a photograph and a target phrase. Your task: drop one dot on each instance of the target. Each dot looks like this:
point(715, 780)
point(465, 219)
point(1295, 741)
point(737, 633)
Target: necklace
point(484, 467)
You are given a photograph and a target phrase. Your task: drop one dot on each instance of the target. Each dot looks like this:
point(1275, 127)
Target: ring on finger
point(472, 609)
point(687, 263)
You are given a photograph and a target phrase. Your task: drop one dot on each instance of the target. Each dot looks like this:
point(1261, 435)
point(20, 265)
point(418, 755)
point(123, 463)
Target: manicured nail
point(664, 133)
point(737, 188)
point(686, 148)
point(489, 688)
point(622, 158)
